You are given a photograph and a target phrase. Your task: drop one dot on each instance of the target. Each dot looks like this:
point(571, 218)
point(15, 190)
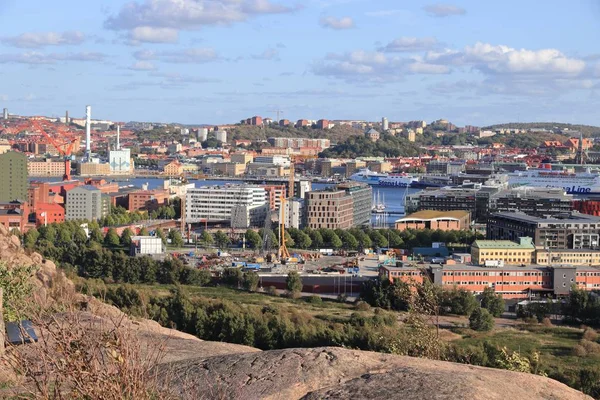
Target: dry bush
point(579, 351)
point(547, 322)
point(362, 306)
point(590, 347)
point(84, 357)
point(590, 334)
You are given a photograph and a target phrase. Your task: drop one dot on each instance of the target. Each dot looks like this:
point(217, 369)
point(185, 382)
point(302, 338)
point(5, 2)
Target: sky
point(218, 61)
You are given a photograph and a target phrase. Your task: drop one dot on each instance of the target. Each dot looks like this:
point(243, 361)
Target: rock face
point(336, 373)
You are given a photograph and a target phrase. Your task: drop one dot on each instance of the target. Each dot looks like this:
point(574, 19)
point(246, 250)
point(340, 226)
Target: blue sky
point(218, 61)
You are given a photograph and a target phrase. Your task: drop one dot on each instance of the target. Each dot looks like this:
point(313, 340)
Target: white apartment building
point(215, 203)
point(221, 136)
point(275, 160)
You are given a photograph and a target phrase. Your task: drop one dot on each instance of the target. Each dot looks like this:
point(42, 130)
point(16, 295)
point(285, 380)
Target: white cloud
point(337, 23)
point(385, 13)
point(444, 10)
point(418, 67)
point(142, 66)
point(148, 34)
point(49, 58)
point(191, 55)
point(190, 14)
point(268, 54)
point(41, 39)
point(408, 44)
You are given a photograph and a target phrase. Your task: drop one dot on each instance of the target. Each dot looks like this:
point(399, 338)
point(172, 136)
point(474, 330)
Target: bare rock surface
point(336, 373)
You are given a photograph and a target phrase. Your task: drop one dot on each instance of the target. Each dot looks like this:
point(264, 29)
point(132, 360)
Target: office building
point(538, 202)
point(343, 207)
point(501, 252)
point(13, 176)
point(474, 200)
point(361, 202)
point(568, 231)
point(120, 162)
point(85, 203)
point(148, 200)
point(214, 204)
point(445, 167)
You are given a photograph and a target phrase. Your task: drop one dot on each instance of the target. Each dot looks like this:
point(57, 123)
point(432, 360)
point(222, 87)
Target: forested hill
point(587, 130)
point(338, 133)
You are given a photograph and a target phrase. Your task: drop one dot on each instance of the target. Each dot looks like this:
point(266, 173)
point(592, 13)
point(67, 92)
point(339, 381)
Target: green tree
point(176, 239)
point(303, 241)
point(481, 320)
point(31, 238)
point(206, 239)
point(250, 281)
point(112, 239)
point(161, 235)
point(493, 302)
point(144, 231)
point(253, 239)
point(96, 234)
point(221, 240)
point(316, 238)
point(126, 237)
point(293, 283)
point(459, 301)
point(79, 236)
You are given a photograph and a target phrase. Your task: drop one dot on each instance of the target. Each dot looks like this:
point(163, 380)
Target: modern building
point(361, 202)
point(342, 207)
point(120, 162)
point(148, 200)
point(538, 202)
point(214, 204)
point(146, 245)
point(503, 252)
point(445, 167)
point(242, 158)
point(474, 200)
point(13, 176)
point(568, 231)
point(274, 194)
point(433, 219)
point(275, 160)
point(256, 121)
point(85, 203)
point(294, 213)
point(221, 136)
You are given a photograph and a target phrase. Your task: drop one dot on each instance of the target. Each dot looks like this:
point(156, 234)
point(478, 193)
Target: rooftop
point(526, 243)
point(434, 214)
point(557, 219)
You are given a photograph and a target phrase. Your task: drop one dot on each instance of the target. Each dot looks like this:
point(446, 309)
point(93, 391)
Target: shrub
point(547, 322)
point(17, 290)
point(590, 347)
point(314, 300)
point(342, 297)
point(272, 291)
point(481, 320)
point(293, 284)
point(362, 306)
point(590, 334)
point(579, 351)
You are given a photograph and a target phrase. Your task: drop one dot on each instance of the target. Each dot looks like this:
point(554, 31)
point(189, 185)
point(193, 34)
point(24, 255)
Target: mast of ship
point(580, 158)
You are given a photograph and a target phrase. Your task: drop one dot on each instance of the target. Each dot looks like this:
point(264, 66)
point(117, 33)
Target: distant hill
point(587, 130)
point(337, 134)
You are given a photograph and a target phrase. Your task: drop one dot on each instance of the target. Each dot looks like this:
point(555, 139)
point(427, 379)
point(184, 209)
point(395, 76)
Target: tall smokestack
point(67, 117)
point(5, 113)
point(88, 132)
point(118, 137)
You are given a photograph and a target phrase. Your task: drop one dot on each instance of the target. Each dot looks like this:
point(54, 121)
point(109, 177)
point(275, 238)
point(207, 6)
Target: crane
point(278, 112)
point(284, 253)
point(64, 152)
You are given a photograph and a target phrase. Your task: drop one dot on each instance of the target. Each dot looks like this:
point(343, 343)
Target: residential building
point(322, 124)
point(227, 169)
point(569, 231)
point(146, 245)
point(174, 168)
point(294, 213)
point(14, 214)
point(445, 167)
point(301, 123)
point(361, 195)
point(501, 252)
point(274, 194)
point(13, 176)
point(242, 158)
point(85, 203)
point(214, 204)
point(379, 166)
point(298, 143)
point(148, 200)
point(267, 170)
point(539, 202)
point(353, 166)
point(411, 135)
point(47, 167)
point(567, 257)
point(49, 213)
point(256, 121)
point(372, 135)
point(221, 136)
point(476, 201)
point(174, 148)
point(330, 209)
point(284, 122)
point(432, 219)
point(275, 160)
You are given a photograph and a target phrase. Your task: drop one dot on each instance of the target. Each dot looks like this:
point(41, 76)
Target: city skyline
point(218, 61)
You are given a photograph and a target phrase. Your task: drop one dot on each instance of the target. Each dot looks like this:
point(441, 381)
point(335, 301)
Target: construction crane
point(278, 112)
point(284, 253)
point(65, 149)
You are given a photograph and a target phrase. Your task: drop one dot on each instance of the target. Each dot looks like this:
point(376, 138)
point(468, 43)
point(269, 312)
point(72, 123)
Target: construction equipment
point(64, 152)
point(278, 112)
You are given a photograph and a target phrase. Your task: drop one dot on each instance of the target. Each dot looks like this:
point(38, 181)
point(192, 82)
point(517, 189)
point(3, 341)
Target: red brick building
point(322, 124)
point(256, 121)
point(148, 199)
point(14, 215)
point(48, 213)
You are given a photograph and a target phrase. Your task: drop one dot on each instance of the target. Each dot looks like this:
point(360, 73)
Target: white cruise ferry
point(572, 182)
point(374, 178)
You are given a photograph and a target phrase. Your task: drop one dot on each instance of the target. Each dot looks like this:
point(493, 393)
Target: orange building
point(430, 219)
point(274, 195)
point(148, 199)
point(14, 215)
point(48, 213)
point(173, 168)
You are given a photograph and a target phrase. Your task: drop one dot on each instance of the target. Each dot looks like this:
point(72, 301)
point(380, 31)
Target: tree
point(492, 302)
point(176, 239)
point(303, 241)
point(111, 239)
point(253, 239)
point(221, 240)
point(126, 237)
point(250, 281)
point(459, 301)
point(161, 235)
point(31, 238)
point(481, 320)
point(143, 231)
point(96, 235)
point(293, 283)
point(206, 239)
point(316, 238)
point(79, 236)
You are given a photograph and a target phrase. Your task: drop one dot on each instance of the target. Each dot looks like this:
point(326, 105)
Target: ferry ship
point(392, 180)
point(587, 182)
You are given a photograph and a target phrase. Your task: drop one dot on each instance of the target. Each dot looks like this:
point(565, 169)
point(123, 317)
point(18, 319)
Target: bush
point(314, 300)
point(272, 291)
point(547, 322)
point(481, 320)
point(579, 351)
point(293, 284)
point(590, 347)
point(590, 334)
point(342, 297)
point(362, 306)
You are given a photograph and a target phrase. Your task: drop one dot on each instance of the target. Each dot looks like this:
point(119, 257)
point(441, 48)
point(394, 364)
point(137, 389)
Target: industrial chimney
point(5, 113)
point(88, 132)
point(118, 137)
point(67, 117)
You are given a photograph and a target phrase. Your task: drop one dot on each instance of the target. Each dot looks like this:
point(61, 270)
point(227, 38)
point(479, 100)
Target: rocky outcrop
point(335, 373)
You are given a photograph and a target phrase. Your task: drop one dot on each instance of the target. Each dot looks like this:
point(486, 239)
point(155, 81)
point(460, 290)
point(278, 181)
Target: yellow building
point(242, 158)
point(93, 169)
point(174, 168)
point(503, 251)
point(45, 168)
point(567, 257)
point(411, 135)
point(4, 146)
